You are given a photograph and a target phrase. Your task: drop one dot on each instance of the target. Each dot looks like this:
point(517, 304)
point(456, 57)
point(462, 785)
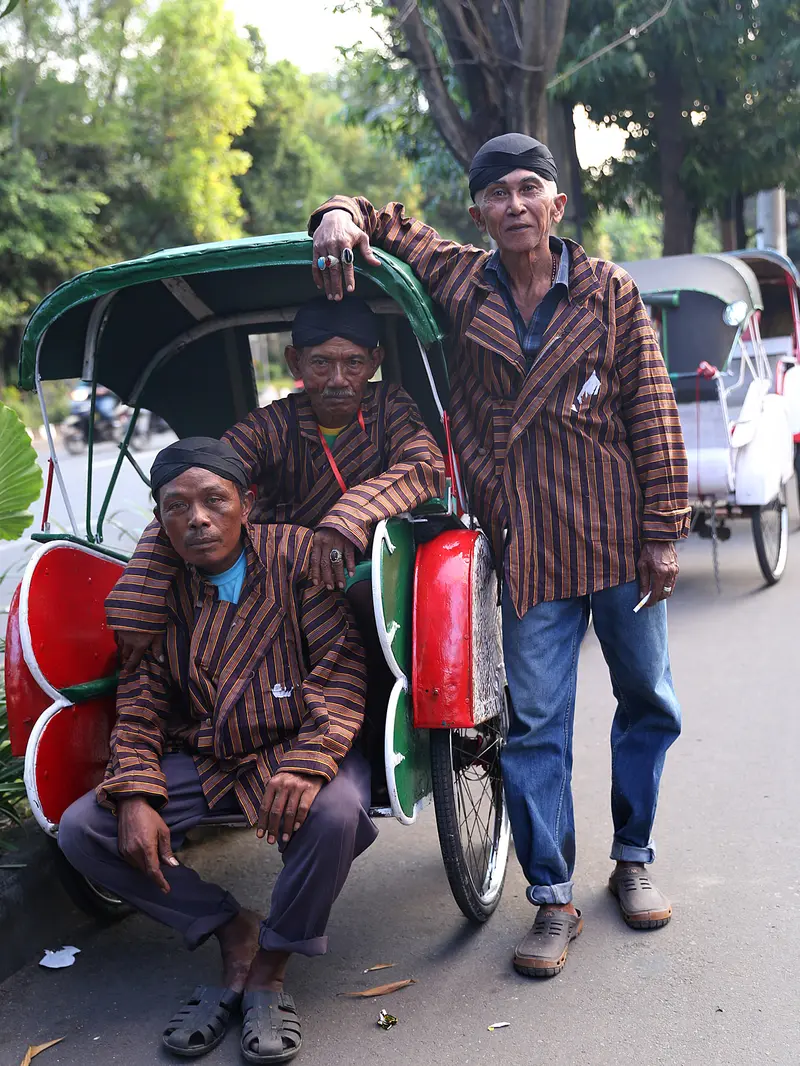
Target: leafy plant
point(20, 476)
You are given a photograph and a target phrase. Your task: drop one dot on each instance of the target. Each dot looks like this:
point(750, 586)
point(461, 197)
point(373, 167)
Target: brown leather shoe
point(543, 951)
point(643, 906)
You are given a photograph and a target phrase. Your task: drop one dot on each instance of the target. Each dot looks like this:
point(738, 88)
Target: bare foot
point(238, 941)
point(267, 971)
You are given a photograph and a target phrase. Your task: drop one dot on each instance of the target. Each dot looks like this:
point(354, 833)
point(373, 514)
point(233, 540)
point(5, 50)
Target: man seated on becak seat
point(253, 711)
point(336, 457)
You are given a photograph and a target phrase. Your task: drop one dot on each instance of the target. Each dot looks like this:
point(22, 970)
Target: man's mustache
point(338, 394)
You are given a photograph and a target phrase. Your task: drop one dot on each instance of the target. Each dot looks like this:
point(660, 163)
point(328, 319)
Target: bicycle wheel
point(471, 815)
point(771, 537)
point(98, 902)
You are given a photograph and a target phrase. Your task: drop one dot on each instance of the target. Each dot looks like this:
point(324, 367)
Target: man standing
point(566, 427)
point(253, 711)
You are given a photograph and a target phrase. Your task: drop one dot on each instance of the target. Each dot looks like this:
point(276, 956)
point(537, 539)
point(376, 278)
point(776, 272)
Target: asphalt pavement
point(717, 987)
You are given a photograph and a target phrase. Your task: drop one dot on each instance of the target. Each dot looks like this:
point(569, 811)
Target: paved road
point(718, 987)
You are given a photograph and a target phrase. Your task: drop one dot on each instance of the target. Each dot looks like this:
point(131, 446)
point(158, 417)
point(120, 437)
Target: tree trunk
point(738, 212)
point(727, 226)
point(679, 217)
point(500, 54)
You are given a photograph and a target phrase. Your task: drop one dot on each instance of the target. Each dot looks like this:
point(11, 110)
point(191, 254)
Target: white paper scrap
point(498, 1025)
point(57, 960)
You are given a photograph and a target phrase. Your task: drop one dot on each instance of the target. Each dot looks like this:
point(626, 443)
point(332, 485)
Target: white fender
point(765, 463)
point(791, 396)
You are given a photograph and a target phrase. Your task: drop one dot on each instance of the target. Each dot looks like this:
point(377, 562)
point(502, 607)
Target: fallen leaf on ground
point(37, 1049)
point(380, 990)
point(498, 1025)
point(57, 960)
point(380, 966)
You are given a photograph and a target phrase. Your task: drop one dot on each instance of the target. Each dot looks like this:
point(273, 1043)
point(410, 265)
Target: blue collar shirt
point(530, 334)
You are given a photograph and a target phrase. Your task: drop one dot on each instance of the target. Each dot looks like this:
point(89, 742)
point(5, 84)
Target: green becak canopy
point(174, 325)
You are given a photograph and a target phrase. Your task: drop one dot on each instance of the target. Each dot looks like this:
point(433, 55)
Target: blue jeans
point(541, 656)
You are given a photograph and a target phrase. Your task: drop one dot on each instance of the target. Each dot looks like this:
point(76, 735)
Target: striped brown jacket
point(390, 466)
point(236, 690)
point(572, 464)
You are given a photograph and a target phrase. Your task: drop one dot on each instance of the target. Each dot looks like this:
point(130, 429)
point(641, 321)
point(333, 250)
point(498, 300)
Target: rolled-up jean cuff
point(628, 853)
point(199, 931)
point(539, 894)
point(269, 940)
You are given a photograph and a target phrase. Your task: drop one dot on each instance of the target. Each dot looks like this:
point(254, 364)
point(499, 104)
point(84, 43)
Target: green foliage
point(46, 231)
point(20, 476)
point(622, 236)
point(709, 96)
point(191, 93)
point(26, 404)
point(302, 152)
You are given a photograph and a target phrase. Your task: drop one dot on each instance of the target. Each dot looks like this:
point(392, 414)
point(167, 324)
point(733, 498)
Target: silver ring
point(336, 555)
point(321, 262)
point(347, 256)
point(668, 589)
point(331, 260)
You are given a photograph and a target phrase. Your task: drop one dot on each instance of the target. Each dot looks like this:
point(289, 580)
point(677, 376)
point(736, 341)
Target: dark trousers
point(316, 860)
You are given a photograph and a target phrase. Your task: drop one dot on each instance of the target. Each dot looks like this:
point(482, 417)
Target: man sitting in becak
point(337, 457)
point(253, 711)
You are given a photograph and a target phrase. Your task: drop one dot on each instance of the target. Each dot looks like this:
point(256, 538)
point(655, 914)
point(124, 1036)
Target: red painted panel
point(72, 754)
point(24, 699)
point(441, 679)
point(66, 615)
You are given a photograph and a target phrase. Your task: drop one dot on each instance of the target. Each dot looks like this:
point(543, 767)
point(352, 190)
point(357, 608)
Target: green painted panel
point(397, 587)
point(412, 772)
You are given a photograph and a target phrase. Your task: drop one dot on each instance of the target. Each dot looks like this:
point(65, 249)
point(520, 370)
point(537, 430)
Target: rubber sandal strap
point(200, 1024)
point(271, 1032)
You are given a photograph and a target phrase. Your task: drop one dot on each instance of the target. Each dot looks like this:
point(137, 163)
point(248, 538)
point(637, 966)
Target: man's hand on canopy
point(336, 232)
point(287, 800)
point(324, 571)
point(132, 647)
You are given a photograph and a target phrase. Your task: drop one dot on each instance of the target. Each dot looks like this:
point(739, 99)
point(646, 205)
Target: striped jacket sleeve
point(440, 265)
point(651, 418)
point(137, 741)
point(415, 474)
point(138, 600)
point(334, 690)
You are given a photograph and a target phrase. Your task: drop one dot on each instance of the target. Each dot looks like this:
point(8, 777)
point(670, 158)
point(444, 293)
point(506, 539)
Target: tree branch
point(444, 112)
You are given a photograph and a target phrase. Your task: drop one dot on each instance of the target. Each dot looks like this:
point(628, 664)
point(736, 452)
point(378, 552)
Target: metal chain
point(715, 548)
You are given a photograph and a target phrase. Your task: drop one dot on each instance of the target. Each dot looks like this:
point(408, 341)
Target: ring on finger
point(322, 262)
point(347, 256)
point(668, 589)
point(332, 260)
point(336, 555)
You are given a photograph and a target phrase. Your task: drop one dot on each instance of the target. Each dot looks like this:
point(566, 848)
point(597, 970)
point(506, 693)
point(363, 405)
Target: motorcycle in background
point(111, 418)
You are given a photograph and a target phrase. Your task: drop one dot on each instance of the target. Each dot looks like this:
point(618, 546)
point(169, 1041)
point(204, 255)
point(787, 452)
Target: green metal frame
point(70, 538)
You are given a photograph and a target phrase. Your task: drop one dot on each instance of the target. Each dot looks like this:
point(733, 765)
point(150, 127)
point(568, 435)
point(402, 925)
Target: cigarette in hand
point(641, 603)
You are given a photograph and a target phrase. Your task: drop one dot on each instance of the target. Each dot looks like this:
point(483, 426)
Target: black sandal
point(271, 1032)
point(200, 1025)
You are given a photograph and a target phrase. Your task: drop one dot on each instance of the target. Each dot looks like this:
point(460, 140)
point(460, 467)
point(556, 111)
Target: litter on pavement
point(57, 960)
point(37, 1049)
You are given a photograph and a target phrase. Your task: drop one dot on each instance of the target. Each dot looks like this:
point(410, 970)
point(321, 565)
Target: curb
point(35, 911)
